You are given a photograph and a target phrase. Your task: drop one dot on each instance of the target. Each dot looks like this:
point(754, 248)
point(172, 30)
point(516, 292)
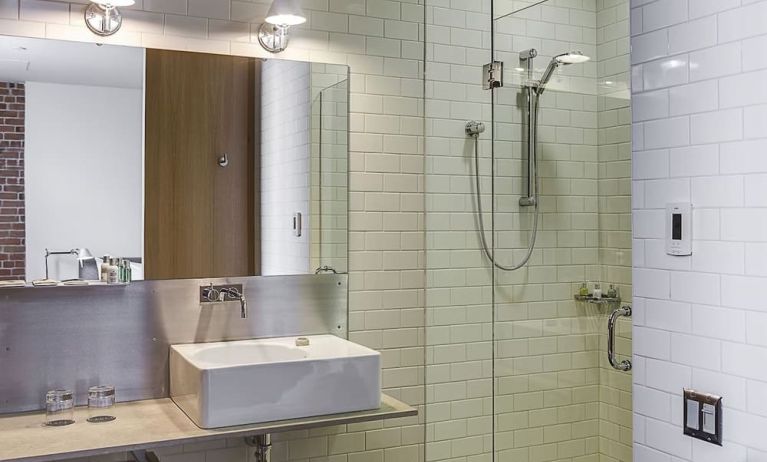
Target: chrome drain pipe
point(262, 445)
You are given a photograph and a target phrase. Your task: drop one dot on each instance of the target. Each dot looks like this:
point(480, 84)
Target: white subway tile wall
point(285, 165)
point(699, 320)
point(382, 42)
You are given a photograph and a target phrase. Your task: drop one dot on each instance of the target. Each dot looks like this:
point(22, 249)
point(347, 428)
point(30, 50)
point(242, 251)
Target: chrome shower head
point(565, 59)
point(572, 57)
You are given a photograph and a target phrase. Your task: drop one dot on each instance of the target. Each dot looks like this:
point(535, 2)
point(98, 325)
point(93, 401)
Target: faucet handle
point(209, 294)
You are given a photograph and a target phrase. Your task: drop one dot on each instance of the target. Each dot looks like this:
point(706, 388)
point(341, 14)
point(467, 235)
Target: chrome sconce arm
point(273, 38)
point(273, 34)
point(624, 365)
point(103, 18)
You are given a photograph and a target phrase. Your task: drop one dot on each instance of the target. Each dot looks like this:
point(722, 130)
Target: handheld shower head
point(565, 59)
point(572, 57)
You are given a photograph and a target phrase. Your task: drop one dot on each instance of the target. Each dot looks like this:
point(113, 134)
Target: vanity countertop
point(149, 424)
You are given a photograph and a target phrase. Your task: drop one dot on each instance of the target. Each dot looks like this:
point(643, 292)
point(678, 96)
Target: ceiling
point(56, 61)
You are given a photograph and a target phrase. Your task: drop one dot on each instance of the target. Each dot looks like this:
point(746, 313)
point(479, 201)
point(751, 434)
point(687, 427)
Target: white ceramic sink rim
point(320, 348)
point(241, 382)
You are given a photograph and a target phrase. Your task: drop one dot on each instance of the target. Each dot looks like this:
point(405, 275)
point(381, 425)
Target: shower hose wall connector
point(474, 128)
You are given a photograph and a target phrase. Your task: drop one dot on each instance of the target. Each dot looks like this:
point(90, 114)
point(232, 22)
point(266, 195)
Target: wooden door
point(200, 218)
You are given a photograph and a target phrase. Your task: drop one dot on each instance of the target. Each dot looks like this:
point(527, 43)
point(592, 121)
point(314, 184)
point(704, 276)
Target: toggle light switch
point(709, 419)
point(693, 412)
point(703, 416)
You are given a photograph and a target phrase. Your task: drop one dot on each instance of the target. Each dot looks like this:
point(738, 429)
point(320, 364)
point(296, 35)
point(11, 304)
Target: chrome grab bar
point(624, 365)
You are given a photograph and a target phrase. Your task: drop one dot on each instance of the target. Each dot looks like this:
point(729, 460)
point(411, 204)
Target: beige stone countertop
point(145, 425)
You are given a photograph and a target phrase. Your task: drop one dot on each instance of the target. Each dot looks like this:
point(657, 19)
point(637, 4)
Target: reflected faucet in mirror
point(220, 294)
point(82, 255)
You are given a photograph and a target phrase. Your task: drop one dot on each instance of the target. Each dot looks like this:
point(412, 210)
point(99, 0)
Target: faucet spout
point(243, 307)
point(221, 294)
point(235, 294)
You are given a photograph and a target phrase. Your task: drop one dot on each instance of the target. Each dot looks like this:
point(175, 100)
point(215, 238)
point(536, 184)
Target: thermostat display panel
point(679, 229)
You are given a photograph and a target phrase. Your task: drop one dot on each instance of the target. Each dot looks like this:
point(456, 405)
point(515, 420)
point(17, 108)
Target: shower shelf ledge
point(598, 301)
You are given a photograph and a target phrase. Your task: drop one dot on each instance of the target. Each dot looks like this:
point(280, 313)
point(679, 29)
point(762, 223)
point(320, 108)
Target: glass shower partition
point(556, 397)
point(517, 369)
point(330, 189)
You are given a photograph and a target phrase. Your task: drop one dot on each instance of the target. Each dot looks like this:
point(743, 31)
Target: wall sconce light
point(273, 34)
point(103, 18)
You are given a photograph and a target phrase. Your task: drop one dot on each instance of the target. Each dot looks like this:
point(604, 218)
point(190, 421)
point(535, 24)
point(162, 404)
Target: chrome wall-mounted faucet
point(220, 294)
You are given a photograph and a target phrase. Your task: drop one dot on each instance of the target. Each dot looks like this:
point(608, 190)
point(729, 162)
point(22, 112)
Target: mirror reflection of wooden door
point(200, 217)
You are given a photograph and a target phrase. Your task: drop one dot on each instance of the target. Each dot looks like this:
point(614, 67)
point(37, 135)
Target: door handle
point(223, 161)
point(624, 365)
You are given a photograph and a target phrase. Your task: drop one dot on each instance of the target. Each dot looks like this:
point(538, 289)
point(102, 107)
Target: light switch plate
point(703, 416)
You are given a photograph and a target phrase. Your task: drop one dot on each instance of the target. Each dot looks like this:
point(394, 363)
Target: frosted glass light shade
point(115, 2)
point(285, 13)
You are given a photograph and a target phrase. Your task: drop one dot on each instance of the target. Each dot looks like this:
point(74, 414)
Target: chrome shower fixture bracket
point(526, 59)
point(492, 75)
point(474, 128)
point(528, 54)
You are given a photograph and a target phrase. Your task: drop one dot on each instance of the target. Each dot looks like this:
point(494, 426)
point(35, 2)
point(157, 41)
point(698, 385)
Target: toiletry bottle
point(612, 292)
point(125, 270)
point(114, 273)
point(121, 270)
point(104, 270)
point(128, 272)
point(584, 290)
point(597, 291)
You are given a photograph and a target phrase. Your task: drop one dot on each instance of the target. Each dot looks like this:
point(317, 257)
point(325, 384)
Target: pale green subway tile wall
point(382, 42)
point(512, 353)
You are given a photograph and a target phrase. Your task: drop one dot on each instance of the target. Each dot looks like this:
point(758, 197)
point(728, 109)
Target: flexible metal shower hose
point(481, 219)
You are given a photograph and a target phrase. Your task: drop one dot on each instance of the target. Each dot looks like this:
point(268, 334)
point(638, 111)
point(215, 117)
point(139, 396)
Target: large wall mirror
point(189, 165)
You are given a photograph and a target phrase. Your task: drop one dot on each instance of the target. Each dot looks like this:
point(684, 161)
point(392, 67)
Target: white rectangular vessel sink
point(252, 381)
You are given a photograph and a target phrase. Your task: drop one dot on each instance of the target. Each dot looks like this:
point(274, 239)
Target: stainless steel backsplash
point(76, 337)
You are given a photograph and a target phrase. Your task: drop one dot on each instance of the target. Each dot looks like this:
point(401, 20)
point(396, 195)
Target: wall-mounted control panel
point(679, 229)
point(703, 416)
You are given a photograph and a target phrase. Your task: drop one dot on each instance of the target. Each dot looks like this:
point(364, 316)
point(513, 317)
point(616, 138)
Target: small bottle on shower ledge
point(113, 274)
point(104, 269)
point(597, 291)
